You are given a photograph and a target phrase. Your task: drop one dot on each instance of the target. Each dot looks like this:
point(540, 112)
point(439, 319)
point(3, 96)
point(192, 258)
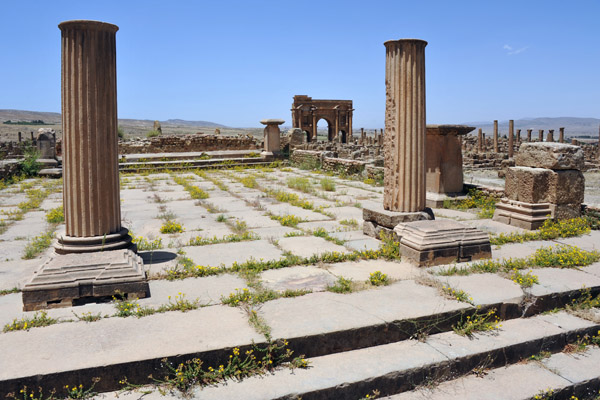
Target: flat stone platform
point(355, 343)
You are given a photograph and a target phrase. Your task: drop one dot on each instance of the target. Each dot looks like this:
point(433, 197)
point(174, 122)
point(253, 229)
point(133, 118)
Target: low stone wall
point(341, 165)
point(191, 143)
point(14, 149)
point(307, 158)
point(374, 172)
point(9, 168)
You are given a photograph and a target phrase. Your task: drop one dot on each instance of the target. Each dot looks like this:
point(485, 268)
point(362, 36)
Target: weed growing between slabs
point(56, 215)
point(458, 295)
point(128, 308)
point(478, 322)
point(245, 296)
point(234, 237)
point(477, 199)
point(194, 191)
point(549, 230)
point(24, 324)
point(559, 256)
point(4, 292)
point(171, 226)
point(378, 278)
point(257, 360)
point(144, 244)
point(342, 285)
point(38, 244)
point(75, 392)
point(186, 268)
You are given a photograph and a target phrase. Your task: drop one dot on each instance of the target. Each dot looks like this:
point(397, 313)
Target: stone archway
point(330, 128)
point(306, 112)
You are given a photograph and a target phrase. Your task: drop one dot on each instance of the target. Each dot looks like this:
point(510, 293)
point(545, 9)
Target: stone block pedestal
point(439, 242)
point(521, 214)
point(72, 279)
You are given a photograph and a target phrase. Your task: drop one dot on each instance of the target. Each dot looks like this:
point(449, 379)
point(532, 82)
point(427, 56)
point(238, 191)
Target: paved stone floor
point(259, 203)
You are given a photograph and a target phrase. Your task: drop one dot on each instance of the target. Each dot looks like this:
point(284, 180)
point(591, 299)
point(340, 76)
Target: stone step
point(328, 325)
point(564, 375)
point(402, 366)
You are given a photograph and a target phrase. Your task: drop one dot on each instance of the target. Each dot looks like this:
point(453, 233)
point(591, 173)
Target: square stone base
point(427, 243)
point(522, 215)
point(66, 280)
point(377, 219)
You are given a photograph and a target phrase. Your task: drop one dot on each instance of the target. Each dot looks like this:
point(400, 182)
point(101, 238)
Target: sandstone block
point(557, 156)
point(527, 184)
point(566, 187)
point(565, 211)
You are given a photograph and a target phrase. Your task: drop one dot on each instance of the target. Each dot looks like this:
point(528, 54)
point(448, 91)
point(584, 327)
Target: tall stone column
point(541, 135)
point(550, 137)
point(495, 136)
point(404, 174)
point(511, 138)
point(480, 141)
point(518, 136)
point(90, 153)
point(561, 135)
point(529, 135)
point(484, 143)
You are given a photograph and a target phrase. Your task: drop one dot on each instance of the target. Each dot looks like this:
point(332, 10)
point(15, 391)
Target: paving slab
point(227, 253)
point(287, 209)
point(253, 218)
point(32, 224)
point(80, 345)
point(363, 244)
point(320, 313)
point(329, 226)
point(552, 280)
point(274, 232)
point(575, 367)
point(360, 270)
point(306, 246)
point(589, 242)
point(593, 269)
point(454, 214)
point(227, 204)
point(15, 272)
point(516, 382)
point(342, 213)
point(296, 278)
point(485, 289)
point(494, 227)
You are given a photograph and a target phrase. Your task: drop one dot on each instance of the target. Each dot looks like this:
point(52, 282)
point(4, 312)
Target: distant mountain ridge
point(573, 126)
point(55, 118)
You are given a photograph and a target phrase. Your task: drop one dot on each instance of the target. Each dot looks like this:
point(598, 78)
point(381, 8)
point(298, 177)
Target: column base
point(72, 279)
point(114, 241)
point(427, 243)
point(377, 219)
point(521, 214)
point(436, 200)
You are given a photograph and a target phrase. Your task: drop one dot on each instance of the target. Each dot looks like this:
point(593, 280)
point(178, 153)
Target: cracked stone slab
point(520, 381)
point(552, 280)
point(360, 270)
point(274, 232)
point(296, 278)
point(575, 367)
point(282, 209)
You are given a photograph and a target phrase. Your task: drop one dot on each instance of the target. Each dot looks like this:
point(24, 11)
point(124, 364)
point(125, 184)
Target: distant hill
point(573, 126)
point(55, 118)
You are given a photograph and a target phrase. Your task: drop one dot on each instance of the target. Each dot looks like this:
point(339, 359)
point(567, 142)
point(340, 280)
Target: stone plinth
point(441, 242)
point(404, 139)
point(522, 214)
point(377, 219)
point(444, 167)
point(68, 280)
point(90, 158)
point(556, 156)
point(272, 137)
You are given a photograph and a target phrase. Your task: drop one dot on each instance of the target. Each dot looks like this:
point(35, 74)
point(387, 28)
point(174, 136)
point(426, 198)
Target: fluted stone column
point(404, 183)
point(550, 137)
point(495, 136)
point(511, 138)
point(529, 135)
point(480, 141)
point(90, 153)
point(541, 135)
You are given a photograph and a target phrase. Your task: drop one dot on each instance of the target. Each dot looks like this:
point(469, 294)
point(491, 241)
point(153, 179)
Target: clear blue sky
point(237, 62)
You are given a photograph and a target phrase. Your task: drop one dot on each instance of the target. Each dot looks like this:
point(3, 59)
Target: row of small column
point(511, 137)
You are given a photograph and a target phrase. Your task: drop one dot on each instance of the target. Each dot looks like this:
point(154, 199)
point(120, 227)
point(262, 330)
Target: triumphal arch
point(307, 112)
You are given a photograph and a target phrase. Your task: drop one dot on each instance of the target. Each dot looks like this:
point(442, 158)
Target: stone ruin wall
point(188, 143)
point(489, 159)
